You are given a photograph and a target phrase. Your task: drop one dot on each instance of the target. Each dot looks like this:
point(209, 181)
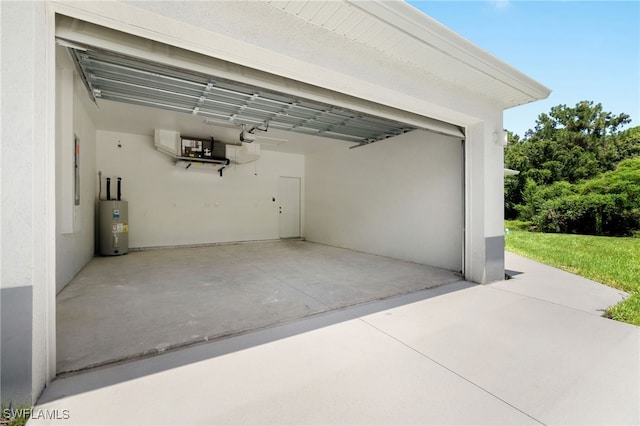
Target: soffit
point(398, 30)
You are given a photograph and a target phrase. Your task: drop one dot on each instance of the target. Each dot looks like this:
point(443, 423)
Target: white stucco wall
point(19, 171)
point(27, 188)
point(75, 224)
point(169, 205)
point(484, 200)
point(401, 197)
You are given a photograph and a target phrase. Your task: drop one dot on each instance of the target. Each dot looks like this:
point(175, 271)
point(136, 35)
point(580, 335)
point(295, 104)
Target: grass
point(613, 261)
point(7, 412)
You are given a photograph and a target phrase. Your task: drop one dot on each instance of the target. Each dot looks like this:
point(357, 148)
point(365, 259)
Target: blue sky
point(581, 50)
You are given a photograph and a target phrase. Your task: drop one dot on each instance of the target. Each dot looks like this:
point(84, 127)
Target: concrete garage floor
point(120, 308)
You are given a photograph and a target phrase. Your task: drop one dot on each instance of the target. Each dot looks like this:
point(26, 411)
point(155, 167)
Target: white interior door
point(289, 206)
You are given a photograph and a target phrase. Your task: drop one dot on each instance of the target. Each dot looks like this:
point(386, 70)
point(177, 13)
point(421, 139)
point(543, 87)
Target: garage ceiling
point(121, 78)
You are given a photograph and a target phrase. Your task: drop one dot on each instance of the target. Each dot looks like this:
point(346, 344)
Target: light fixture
point(500, 138)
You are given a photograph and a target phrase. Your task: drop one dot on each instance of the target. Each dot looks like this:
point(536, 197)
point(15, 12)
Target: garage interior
point(291, 223)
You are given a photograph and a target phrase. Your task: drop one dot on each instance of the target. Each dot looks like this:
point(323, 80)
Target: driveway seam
point(450, 370)
point(554, 303)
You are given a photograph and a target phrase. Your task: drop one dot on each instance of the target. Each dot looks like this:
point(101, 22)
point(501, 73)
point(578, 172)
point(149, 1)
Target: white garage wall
point(75, 224)
point(171, 206)
point(400, 198)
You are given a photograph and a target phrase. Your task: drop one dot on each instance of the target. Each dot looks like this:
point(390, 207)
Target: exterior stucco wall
point(484, 198)
point(27, 284)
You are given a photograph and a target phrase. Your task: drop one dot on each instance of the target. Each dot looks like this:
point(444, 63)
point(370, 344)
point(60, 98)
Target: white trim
point(50, 202)
point(468, 198)
point(463, 154)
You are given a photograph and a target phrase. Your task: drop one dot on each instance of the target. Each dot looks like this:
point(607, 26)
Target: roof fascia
point(407, 19)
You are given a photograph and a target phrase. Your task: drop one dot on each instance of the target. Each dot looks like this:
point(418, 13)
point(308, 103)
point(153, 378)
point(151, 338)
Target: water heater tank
point(114, 228)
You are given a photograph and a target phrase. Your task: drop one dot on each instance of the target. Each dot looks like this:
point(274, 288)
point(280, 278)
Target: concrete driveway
point(531, 350)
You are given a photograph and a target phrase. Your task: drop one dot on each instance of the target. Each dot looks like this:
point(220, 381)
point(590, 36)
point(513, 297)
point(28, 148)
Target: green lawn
point(609, 260)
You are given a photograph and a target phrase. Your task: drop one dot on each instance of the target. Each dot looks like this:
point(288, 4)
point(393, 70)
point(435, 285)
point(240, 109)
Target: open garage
point(281, 166)
point(267, 177)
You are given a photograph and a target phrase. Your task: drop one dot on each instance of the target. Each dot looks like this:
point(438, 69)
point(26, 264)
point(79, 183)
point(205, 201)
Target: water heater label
point(119, 227)
point(116, 213)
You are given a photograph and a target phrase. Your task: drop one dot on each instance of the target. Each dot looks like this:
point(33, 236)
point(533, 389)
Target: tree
point(622, 146)
point(514, 158)
point(573, 143)
point(568, 144)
